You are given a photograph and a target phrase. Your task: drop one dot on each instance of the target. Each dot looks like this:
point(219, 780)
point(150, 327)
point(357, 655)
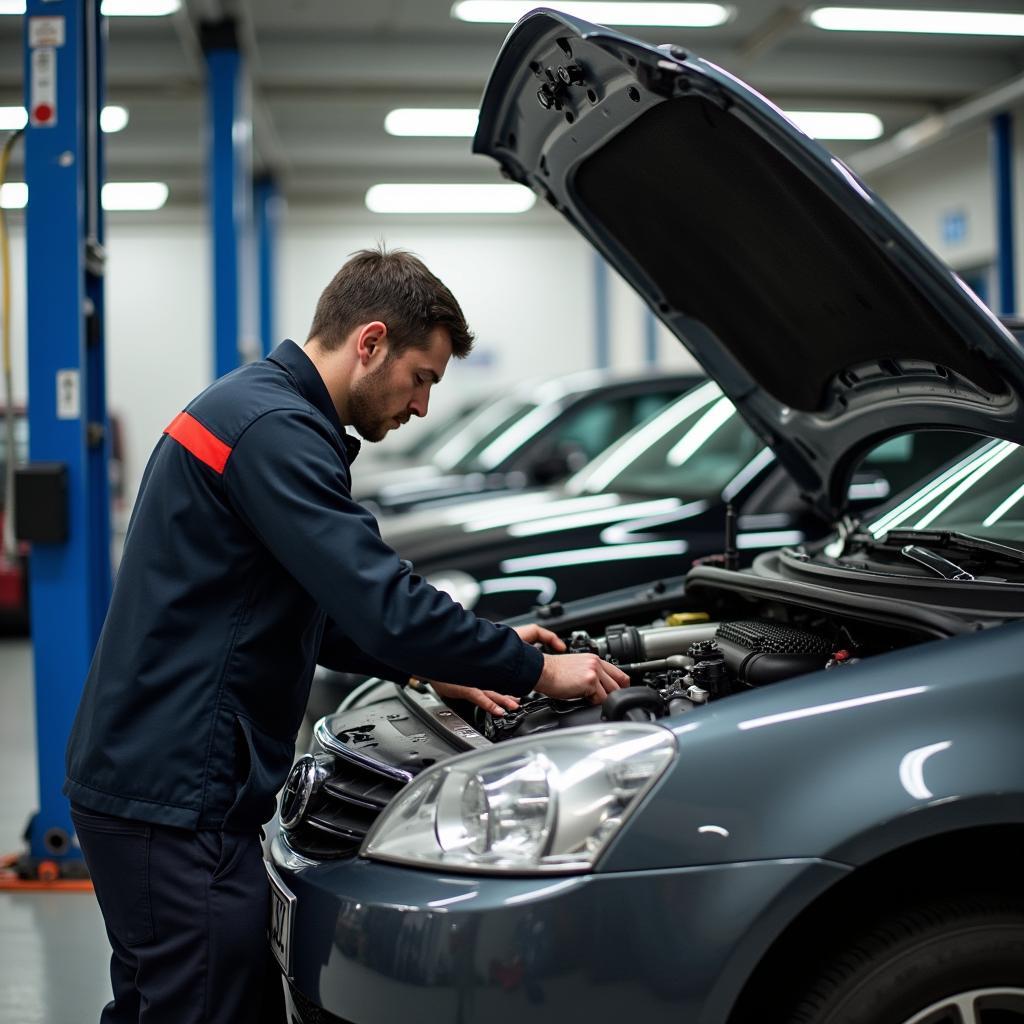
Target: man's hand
point(492, 702)
point(579, 675)
point(568, 675)
point(534, 634)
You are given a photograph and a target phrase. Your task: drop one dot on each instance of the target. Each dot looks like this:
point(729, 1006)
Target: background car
point(809, 804)
point(648, 506)
point(538, 434)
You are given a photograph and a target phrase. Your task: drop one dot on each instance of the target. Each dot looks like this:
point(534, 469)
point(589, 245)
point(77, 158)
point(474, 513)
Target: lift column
point(62, 498)
point(229, 176)
point(1002, 163)
point(268, 214)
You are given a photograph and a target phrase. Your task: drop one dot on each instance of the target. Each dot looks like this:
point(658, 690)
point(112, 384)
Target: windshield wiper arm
point(936, 563)
point(952, 540)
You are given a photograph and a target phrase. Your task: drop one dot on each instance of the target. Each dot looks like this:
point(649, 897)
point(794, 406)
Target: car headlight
point(459, 586)
point(545, 804)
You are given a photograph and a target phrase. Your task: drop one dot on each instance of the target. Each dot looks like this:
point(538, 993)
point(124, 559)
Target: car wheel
point(950, 963)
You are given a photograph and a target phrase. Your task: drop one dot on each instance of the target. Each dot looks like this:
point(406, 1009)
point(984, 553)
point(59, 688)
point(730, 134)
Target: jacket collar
point(300, 368)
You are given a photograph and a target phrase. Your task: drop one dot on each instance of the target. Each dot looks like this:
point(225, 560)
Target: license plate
point(279, 930)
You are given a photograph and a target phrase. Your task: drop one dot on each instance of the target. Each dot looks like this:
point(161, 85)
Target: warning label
point(45, 32)
point(43, 88)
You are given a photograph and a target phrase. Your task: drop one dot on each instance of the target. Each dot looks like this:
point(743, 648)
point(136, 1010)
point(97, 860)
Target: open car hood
point(821, 315)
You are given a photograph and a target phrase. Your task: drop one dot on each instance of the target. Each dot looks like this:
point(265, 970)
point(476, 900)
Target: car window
point(901, 461)
point(597, 426)
point(981, 494)
point(460, 451)
point(693, 448)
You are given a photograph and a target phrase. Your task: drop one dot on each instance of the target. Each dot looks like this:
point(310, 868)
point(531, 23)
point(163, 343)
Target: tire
point(954, 962)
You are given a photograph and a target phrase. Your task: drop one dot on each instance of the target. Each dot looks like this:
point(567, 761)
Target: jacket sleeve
point(287, 480)
point(341, 654)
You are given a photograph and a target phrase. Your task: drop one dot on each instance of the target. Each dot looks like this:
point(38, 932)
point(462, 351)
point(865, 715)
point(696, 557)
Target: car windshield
point(461, 451)
point(694, 448)
point(981, 494)
point(434, 435)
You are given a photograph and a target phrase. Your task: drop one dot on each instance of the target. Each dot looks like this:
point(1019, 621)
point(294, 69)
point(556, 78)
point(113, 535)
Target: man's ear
point(371, 342)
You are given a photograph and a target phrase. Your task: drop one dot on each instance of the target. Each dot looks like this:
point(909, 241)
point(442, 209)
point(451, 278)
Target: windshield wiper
point(949, 540)
point(936, 563)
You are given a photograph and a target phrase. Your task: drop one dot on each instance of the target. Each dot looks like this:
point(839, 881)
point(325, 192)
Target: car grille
point(343, 810)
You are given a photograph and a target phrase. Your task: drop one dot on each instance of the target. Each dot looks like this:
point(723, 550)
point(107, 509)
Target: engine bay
point(685, 660)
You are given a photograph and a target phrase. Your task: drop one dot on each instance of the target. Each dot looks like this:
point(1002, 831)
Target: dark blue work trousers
point(186, 914)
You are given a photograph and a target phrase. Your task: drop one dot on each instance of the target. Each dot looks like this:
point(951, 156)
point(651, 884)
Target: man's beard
point(366, 402)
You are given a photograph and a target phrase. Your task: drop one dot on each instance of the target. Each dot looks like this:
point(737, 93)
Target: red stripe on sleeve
point(194, 437)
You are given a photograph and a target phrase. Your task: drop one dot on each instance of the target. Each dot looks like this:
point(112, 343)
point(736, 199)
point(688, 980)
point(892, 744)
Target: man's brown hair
point(396, 288)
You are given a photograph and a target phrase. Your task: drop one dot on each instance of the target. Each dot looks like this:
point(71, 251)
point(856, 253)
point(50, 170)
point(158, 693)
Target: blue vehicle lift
point(1002, 163)
point(268, 206)
point(229, 149)
point(62, 498)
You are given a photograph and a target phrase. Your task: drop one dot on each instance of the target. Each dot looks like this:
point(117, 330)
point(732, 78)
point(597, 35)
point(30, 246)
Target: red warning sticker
point(43, 88)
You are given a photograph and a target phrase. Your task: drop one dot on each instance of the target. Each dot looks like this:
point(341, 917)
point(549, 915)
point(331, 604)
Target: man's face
point(398, 386)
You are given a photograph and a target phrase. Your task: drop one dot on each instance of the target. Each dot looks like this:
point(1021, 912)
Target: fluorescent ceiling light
point(429, 122)
point(139, 8)
point(112, 8)
point(824, 124)
point(12, 118)
point(450, 123)
point(886, 19)
point(117, 195)
point(684, 15)
point(14, 195)
point(112, 119)
point(449, 199)
point(134, 195)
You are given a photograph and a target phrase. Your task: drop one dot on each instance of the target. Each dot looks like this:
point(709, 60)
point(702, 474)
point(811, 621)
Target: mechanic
point(246, 562)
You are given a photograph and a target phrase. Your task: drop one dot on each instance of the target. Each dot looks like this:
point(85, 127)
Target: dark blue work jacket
point(244, 545)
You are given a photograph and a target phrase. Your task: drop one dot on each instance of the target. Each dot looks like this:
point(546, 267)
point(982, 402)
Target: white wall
point(956, 175)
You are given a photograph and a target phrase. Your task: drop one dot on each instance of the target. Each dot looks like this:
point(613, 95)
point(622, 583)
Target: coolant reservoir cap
point(686, 618)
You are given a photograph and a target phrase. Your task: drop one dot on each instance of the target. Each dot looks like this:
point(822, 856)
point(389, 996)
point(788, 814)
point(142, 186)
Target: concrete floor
point(53, 949)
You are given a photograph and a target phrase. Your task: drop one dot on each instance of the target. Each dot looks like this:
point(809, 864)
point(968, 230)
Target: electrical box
point(41, 502)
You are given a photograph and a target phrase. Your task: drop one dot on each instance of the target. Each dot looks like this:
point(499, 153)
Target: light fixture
point(117, 195)
point(12, 118)
point(14, 195)
point(682, 15)
point(887, 19)
point(838, 124)
point(139, 8)
point(134, 195)
point(396, 198)
point(428, 121)
point(112, 8)
point(112, 119)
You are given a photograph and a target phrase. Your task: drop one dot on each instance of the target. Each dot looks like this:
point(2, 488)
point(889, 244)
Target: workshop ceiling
point(326, 72)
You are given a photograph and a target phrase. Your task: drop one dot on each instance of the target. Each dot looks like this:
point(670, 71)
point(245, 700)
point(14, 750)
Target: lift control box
point(41, 502)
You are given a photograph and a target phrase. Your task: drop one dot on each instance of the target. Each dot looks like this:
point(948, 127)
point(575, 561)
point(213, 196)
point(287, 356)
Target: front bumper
point(376, 943)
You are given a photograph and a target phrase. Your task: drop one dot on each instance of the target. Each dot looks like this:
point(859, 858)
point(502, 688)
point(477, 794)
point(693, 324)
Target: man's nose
point(418, 406)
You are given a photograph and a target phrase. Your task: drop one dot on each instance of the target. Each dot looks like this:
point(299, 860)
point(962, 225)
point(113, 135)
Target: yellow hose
point(9, 542)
